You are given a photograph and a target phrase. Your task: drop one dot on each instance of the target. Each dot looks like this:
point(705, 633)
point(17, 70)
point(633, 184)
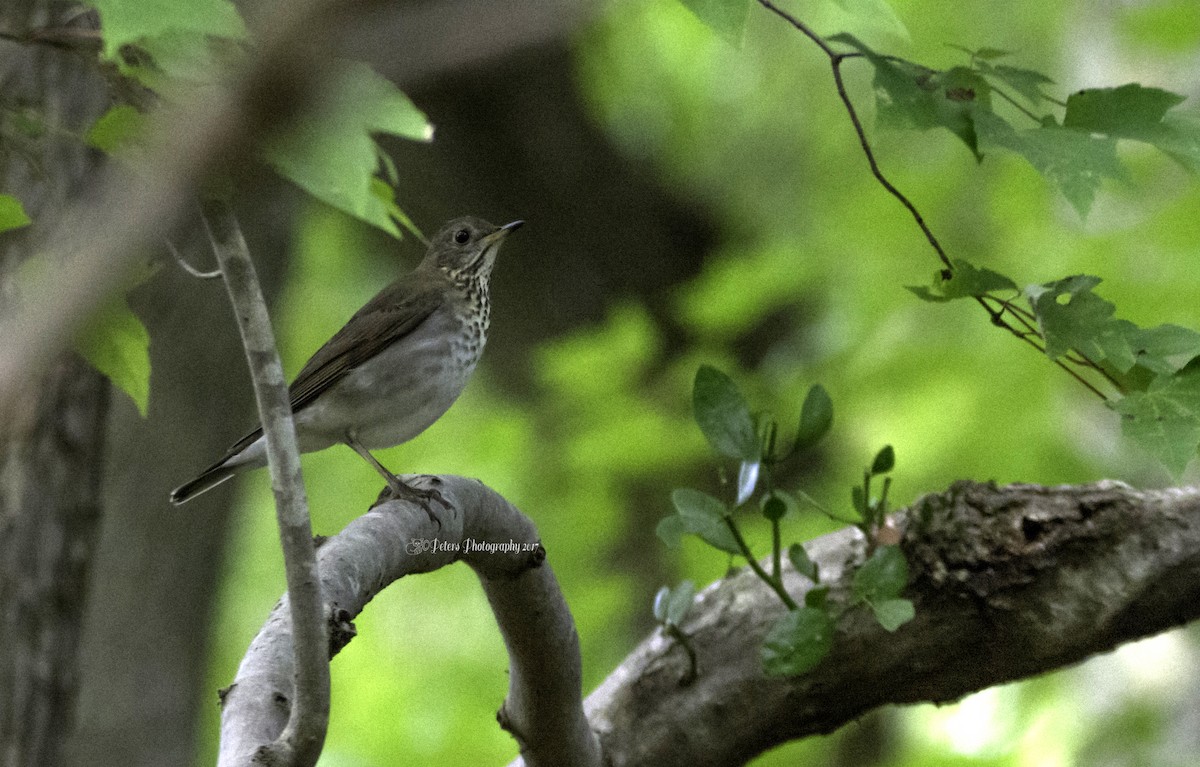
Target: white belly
point(391, 398)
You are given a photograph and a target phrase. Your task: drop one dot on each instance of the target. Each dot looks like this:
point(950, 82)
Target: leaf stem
point(776, 584)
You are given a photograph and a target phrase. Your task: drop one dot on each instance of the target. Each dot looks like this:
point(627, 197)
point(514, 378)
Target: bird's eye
point(461, 236)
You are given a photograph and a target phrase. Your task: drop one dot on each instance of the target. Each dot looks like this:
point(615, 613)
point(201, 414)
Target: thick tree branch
point(544, 705)
point(1008, 582)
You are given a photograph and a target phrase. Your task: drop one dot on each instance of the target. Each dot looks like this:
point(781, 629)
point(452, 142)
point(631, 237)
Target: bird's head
point(467, 246)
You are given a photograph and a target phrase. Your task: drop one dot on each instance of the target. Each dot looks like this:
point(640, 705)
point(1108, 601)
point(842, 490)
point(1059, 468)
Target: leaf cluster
point(1152, 374)
point(159, 52)
point(803, 636)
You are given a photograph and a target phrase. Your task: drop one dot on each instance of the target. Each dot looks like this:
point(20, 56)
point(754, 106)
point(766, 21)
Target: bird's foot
point(422, 496)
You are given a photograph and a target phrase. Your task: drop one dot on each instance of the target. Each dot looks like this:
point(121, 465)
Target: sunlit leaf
point(116, 128)
point(725, 17)
point(747, 480)
point(117, 344)
point(874, 14)
point(12, 213)
point(133, 21)
point(333, 157)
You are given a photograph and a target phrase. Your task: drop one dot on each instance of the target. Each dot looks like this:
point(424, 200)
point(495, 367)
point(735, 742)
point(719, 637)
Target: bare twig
point(300, 742)
point(183, 264)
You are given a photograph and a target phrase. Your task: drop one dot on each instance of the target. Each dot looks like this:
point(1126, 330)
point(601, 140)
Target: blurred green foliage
point(812, 246)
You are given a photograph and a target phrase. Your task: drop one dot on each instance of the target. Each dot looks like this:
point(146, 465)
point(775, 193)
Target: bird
point(394, 368)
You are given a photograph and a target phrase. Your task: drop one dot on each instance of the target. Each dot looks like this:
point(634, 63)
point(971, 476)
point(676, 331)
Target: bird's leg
point(398, 488)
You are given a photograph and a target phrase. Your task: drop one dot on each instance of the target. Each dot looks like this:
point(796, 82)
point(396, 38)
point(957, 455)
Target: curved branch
point(543, 708)
point(1008, 582)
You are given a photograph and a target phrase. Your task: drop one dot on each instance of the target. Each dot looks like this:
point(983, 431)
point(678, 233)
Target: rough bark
point(1008, 582)
point(51, 456)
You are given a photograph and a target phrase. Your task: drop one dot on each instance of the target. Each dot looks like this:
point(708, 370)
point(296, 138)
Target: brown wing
point(393, 313)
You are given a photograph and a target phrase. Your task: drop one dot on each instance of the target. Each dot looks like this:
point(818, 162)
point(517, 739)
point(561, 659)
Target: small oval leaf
point(722, 415)
point(679, 603)
point(702, 515)
point(816, 417)
point(885, 461)
point(805, 566)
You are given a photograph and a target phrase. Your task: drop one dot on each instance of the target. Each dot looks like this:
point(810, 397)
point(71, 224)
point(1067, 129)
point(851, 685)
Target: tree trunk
point(52, 461)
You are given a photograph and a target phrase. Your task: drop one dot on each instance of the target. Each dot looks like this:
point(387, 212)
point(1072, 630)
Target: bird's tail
point(210, 478)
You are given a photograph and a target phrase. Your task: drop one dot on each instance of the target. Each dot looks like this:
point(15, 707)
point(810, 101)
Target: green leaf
point(1138, 113)
point(908, 95)
point(670, 531)
point(1026, 82)
point(1129, 111)
point(816, 417)
point(723, 417)
point(117, 344)
point(725, 17)
point(704, 516)
point(884, 461)
point(874, 14)
point(882, 577)
point(817, 598)
point(805, 566)
point(133, 21)
point(1165, 348)
point(334, 157)
point(893, 613)
point(1071, 316)
point(115, 129)
point(965, 281)
point(680, 602)
point(797, 642)
point(1180, 140)
point(1165, 419)
point(1076, 162)
point(12, 213)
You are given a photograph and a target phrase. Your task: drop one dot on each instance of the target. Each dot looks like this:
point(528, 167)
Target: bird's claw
point(422, 496)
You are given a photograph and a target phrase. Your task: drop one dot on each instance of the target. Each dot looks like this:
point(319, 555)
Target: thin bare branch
point(300, 743)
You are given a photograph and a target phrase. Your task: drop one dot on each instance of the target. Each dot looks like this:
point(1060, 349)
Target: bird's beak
point(502, 232)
